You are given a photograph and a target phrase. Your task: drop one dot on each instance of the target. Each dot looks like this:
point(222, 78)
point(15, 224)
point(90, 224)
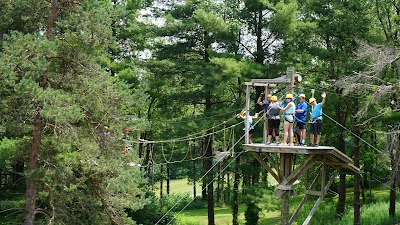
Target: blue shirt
point(301, 116)
point(316, 113)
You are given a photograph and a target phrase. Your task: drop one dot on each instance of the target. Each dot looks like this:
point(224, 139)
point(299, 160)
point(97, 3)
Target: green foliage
point(82, 176)
point(8, 149)
point(177, 202)
point(10, 210)
point(375, 213)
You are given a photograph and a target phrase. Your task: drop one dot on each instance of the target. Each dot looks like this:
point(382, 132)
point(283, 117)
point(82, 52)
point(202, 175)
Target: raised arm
point(259, 100)
point(323, 95)
point(255, 116)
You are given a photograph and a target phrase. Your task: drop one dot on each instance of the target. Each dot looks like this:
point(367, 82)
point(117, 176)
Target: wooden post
point(290, 75)
point(265, 130)
point(286, 166)
point(247, 114)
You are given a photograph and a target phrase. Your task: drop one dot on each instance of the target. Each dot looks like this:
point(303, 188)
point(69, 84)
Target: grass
point(374, 211)
point(180, 186)
point(223, 216)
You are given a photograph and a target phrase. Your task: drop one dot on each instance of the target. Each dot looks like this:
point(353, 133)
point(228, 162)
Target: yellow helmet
point(243, 112)
point(274, 98)
point(289, 96)
point(302, 96)
point(311, 100)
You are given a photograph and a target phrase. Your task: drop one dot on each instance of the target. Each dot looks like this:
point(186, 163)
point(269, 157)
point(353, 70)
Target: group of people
point(292, 115)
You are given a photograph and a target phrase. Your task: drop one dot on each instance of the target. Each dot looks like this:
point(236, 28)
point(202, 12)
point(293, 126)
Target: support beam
point(312, 185)
point(286, 165)
point(265, 165)
point(274, 165)
point(323, 192)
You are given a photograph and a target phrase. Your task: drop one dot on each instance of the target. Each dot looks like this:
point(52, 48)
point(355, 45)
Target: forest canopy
point(101, 99)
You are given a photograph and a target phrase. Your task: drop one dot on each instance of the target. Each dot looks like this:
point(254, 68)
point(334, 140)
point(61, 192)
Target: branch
point(112, 214)
point(368, 120)
point(248, 50)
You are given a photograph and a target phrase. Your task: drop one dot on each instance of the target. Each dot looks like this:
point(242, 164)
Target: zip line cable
point(210, 181)
point(184, 159)
point(213, 127)
point(198, 157)
point(373, 147)
point(349, 131)
point(204, 176)
point(185, 138)
point(198, 182)
point(200, 118)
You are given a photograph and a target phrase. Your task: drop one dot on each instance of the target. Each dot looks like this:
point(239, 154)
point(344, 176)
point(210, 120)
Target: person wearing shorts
point(289, 120)
point(274, 120)
point(316, 120)
point(301, 117)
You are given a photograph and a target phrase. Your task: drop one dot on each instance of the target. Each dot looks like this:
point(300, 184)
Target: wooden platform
point(282, 163)
point(334, 157)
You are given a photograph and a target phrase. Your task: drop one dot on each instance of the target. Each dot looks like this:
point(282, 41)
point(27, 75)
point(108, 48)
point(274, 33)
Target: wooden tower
point(279, 160)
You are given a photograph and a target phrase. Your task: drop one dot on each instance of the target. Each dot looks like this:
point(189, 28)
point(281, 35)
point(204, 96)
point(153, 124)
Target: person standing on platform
point(265, 105)
point(250, 121)
point(316, 119)
point(288, 120)
point(301, 117)
point(274, 120)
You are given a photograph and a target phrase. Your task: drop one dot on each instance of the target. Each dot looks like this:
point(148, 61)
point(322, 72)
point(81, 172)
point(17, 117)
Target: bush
point(179, 201)
point(371, 214)
point(150, 214)
point(182, 219)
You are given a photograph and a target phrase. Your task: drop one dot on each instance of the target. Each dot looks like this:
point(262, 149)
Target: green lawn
point(223, 215)
point(181, 186)
point(178, 187)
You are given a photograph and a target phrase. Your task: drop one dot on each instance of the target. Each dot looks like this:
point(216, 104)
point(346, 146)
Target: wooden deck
point(329, 155)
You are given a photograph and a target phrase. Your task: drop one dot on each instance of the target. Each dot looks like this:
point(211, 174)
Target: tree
point(380, 84)
point(59, 91)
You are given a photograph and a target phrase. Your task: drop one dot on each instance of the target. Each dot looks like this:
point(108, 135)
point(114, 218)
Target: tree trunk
point(168, 176)
point(208, 180)
point(362, 190)
point(147, 159)
point(260, 55)
point(30, 194)
point(204, 181)
point(194, 180)
point(393, 140)
point(52, 18)
point(342, 178)
point(30, 202)
point(222, 188)
point(236, 182)
point(356, 201)
point(218, 184)
point(208, 166)
point(161, 180)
